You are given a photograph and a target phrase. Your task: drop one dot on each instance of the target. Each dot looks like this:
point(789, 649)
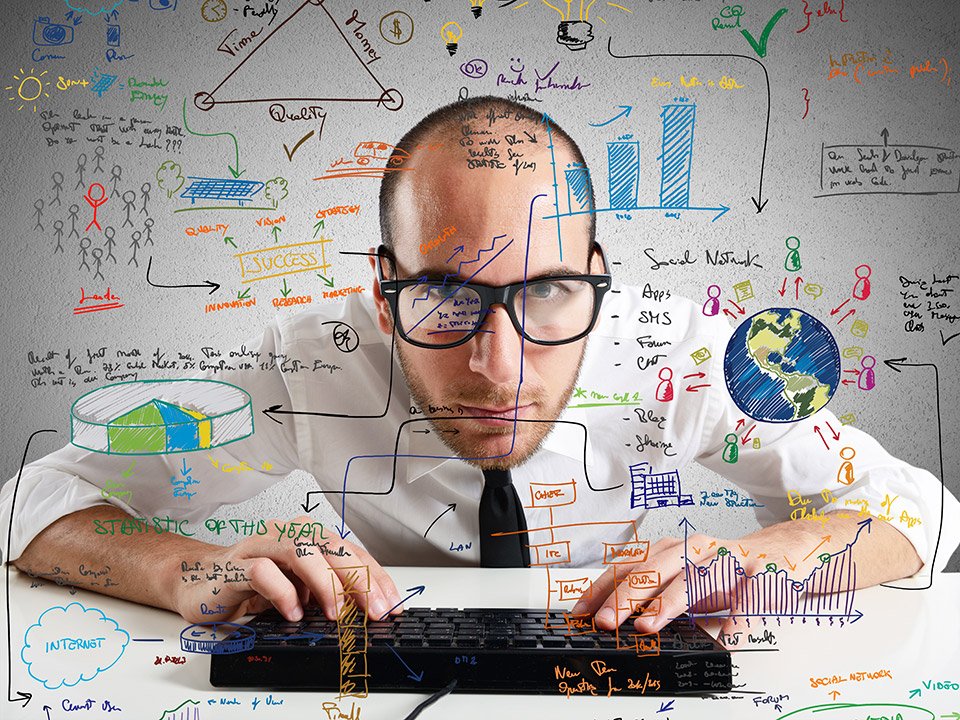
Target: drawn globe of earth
point(781, 365)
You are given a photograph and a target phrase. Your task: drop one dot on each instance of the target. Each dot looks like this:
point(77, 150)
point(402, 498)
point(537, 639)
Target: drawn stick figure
point(115, 172)
point(109, 233)
point(97, 254)
point(84, 246)
point(95, 202)
point(145, 196)
point(98, 156)
point(129, 198)
point(665, 388)
point(81, 166)
point(731, 451)
point(135, 244)
point(74, 211)
point(57, 178)
point(147, 224)
point(58, 231)
point(861, 289)
point(845, 473)
point(867, 378)
point(792, 263)
point(712, 306)
point(38, 205)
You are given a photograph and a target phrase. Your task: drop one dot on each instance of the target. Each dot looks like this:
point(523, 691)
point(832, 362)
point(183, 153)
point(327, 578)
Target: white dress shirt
point(398, 480)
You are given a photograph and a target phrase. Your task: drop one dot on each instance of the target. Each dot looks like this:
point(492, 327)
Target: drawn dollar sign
point(397, 32)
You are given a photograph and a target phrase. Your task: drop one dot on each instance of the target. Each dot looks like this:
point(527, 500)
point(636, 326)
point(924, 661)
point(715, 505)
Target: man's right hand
point(275, 569)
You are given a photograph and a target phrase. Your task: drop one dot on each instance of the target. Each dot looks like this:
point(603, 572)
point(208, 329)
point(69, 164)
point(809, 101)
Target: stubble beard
point(470, 446)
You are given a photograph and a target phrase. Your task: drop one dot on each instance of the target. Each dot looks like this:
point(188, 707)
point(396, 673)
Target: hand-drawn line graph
point(623, 171)
point(827, 592)
point(389, 98)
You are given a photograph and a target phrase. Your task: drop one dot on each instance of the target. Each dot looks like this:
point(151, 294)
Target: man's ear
point(384, 318)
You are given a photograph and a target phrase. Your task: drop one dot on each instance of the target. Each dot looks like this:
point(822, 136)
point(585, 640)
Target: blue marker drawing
point(654, 490)
point(623, 174)
point(71, 644)
point(113, 35)
point(51, 34)
point(204, 188)
point(579, 196)
point(217, 638)
point(556, 194)
point(676, 154)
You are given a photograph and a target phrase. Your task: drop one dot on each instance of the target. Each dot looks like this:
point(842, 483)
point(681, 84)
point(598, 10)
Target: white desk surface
point(915, 635)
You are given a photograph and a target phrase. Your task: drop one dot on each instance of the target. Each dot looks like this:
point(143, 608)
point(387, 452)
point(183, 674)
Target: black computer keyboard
point(498, 650)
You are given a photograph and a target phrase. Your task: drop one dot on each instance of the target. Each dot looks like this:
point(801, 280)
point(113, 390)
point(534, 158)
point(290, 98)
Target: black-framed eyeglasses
point(552, 310)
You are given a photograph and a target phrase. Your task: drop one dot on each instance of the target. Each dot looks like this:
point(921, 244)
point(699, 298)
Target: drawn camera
point(49, 33)
point(163, 4)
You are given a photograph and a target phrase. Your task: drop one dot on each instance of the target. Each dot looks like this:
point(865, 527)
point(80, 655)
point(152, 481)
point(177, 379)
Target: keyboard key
point(553, 642)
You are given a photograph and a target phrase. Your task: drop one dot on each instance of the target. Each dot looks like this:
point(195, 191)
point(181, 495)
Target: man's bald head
point(478, 133)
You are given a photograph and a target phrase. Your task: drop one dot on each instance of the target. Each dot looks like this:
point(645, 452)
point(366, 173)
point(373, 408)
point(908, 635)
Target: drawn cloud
point(70, 644)
point(94, 7)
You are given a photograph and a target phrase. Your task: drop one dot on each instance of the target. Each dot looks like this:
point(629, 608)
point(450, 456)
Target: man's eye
point(543, 291)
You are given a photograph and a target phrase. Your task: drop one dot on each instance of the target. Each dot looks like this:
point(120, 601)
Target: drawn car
point(366, 151)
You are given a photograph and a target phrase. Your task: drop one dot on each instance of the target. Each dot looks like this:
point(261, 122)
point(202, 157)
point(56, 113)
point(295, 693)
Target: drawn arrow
point(451, 506)
point(743, 552)
point(758, 201)
point(317, 227)
point(455, 431)
point(457, 250)
point(422, 432)
point(21, 696)
point(229, 240)
point(816, 429)
point(296, 147)
point(416, 677)
point(665, 706)
point(954, 714)
point(740, 423)
point(624, 113)
point(243, 295)
point(46, 709)
point(235, 168)
point(834, 693)
point(208, 283)
point(914, 693)
point(328, 283)
point(746, 436)
point(837, 308)
point(276, 230)
point(824, 539)
point(285, 290)
point(783, 288)
point(185, 470)
point(414, 591)
point(792, 566)
point(885, 134)
point(896, 364)
point(836, 435)
point(796, 287)
point(696, 388)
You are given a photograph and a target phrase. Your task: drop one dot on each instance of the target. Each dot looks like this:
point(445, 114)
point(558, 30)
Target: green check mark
point(761, 47)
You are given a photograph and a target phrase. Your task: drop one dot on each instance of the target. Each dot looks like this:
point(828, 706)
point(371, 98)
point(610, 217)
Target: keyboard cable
point(415, 713)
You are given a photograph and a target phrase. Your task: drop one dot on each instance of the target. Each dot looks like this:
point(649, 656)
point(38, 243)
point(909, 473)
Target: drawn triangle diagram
point(310, 25)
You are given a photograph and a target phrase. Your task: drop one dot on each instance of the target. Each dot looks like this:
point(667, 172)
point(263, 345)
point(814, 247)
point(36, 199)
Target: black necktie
point(501, 512)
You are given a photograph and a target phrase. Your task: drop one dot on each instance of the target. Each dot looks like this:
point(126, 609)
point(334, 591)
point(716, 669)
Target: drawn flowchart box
point(888, 169)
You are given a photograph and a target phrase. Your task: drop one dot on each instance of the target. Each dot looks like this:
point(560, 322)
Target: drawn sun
point(31, 86)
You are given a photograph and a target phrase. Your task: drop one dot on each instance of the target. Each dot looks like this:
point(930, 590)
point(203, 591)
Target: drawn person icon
point(145, 196)
point(115, 172)
point(712, 306)
point(845, 473)
point(867, 378)
point(665, 388)
point(110, 234)
point(81, 166)
point(95, 202)
point(129, 198)
point(792, 263)
point(38, 205)
point(57, 178)
point(861, 289)
point(98, 156)
point(135, 244)
point(731, 451)
point(84, 246)
point(147, 224)
point(58, 231)
point(74, 212)
point(97, 254)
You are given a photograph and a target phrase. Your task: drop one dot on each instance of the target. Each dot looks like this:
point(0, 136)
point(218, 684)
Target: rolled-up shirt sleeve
point(795, 476)
point(74, 478)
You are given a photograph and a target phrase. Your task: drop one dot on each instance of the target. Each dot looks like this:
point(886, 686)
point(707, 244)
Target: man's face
point(482, 376)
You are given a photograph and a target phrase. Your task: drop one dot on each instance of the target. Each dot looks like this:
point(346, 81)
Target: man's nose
point(496, 348)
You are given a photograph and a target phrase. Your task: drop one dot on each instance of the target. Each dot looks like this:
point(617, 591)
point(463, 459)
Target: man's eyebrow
point(441, 273)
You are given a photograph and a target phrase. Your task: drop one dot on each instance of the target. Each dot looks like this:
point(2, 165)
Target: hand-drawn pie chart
point(154, 417)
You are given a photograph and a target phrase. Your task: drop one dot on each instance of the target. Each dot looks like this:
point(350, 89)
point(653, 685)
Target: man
point(504, 321)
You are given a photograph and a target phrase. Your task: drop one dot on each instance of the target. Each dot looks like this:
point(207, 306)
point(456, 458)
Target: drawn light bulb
point(476, 7)
point(451, 33)
point(575, 34)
